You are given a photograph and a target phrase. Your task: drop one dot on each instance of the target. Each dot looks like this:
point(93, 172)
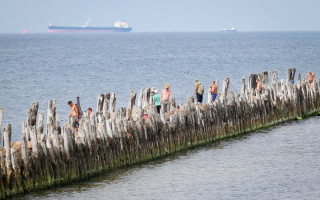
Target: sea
point(281, 162)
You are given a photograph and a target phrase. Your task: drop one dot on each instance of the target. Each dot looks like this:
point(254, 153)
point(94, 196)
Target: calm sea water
point(278, 163)
point(40, 67)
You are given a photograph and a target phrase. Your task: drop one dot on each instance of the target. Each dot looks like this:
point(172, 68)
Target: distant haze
point(162, 15)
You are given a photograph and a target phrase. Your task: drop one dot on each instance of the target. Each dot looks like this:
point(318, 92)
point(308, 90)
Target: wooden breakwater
point(49, 156)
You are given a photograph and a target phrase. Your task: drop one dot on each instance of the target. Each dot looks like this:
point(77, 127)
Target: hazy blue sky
point(162, 15)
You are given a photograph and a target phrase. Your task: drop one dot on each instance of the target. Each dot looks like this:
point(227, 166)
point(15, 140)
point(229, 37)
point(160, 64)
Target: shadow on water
point(118, 175)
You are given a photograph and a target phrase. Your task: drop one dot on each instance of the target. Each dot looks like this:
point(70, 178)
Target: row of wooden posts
point(50, 156)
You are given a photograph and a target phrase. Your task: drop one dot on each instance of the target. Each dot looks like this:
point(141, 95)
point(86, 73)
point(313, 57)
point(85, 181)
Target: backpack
point(200, 89)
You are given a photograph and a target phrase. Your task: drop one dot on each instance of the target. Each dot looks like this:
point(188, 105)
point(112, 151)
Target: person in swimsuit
point(311, 78)
point(74, 114)
point(214, 91)
point(166, 97)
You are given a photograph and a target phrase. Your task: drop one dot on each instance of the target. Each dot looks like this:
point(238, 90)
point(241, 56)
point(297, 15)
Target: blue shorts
point(214, 96)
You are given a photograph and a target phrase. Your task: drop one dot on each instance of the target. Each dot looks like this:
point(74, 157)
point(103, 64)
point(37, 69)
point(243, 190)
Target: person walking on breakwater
point(166, 98)
point(74, 115)
point(198, 91)
point(259, 86)
point(156, 99)
point(311, 78)
point(214, 91)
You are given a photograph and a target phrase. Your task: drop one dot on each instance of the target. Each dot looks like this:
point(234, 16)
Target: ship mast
point(87, 22)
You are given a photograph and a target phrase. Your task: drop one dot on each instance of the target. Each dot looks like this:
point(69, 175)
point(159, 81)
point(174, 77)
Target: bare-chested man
point(259, 86)
point(214, 91)
point(311, 78)
point(166, 98)
point(74, 115)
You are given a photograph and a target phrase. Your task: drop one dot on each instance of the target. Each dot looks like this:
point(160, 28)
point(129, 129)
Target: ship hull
point(70, 29)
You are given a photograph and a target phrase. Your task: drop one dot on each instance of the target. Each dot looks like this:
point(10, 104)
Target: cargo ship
point(118, 26)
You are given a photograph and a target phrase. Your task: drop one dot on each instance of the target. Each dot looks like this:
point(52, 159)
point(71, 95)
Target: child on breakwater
point(156, 99)
point(214, 91)
point(311, 78)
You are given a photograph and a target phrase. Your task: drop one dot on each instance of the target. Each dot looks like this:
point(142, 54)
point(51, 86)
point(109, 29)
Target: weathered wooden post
point(51, 118)
point(32, 115)
point(243, 92)
point(290, 75)
point(209, 95)
point(34, 141)
point(1, 118)
point(140, 98)
point(151, 95)
point(264, 78)
point(99, 110)
point(146, 98)
point(173, 104)
point(24, 146)
point(252, 84)
point(113, 100)
point(226, 89)
point(79, 108)
point(40, 125)
point(7, 143)
point(299, 79)
point(106, 112)
point(275, 77)
point(67, 141)
point(132, 102)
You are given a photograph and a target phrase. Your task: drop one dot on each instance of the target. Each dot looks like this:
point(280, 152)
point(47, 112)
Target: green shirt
point(156, 99)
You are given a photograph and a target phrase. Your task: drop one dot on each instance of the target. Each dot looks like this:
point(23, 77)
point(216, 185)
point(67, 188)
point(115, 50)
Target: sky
point(162, 15)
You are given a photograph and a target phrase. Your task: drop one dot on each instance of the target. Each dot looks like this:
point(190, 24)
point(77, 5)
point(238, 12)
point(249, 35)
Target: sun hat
point(166, 86)
point(155, 91)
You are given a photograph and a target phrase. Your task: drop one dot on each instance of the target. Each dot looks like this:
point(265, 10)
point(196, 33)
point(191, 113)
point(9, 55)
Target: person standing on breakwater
point(311, 78)
point(90, 113)
point(198, 91)
point(214, 91)
point(74, 114)
point(156, 99)
point(166, 97)
point(259, 86)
